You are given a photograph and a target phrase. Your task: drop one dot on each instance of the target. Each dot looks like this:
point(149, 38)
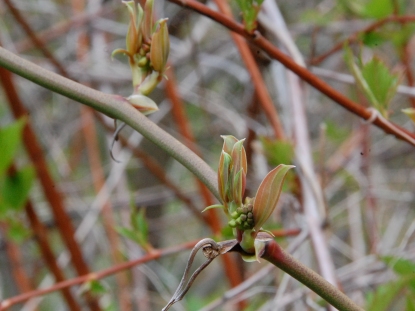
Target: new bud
point(160, 47)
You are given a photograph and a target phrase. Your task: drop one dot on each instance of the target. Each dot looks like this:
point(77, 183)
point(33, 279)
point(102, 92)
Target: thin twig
point(277, 256)
point(302, 72)
point(257, 79)
point(50, 190)
point(7, 303)
point(115, 107)
point(354, 37)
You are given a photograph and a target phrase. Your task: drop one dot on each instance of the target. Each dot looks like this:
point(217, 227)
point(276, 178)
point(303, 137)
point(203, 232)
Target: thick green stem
point(115, 107)
point(278, 257)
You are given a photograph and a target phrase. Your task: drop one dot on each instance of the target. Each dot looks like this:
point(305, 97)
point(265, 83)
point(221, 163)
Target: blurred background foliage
point(121, 211)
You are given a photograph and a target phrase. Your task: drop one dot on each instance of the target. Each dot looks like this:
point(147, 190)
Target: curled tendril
point(115, 138)
point(211, 250)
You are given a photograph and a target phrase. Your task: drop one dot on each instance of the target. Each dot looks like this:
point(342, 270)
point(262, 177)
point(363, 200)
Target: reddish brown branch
point(6, 304)
point(355, 37)
point(41, 234)
point(16, 259)
point(233, 274)
point(302, 72)
point(60, 28)
point(50, 190)
point(257, 80)
point(97, 172)
point(281, 259)
point(35, 39)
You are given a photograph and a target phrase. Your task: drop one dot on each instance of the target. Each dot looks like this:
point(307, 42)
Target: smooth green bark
point(115, 107)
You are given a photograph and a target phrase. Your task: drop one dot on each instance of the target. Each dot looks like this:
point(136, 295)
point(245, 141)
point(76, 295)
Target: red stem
point(302, 72)
point(50, 190)
point(278, 257)
point(7, 303)
point(354, 37)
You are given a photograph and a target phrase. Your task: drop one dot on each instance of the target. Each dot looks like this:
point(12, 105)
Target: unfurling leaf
point(160, 47)
point(375, 80)
point(268, 194)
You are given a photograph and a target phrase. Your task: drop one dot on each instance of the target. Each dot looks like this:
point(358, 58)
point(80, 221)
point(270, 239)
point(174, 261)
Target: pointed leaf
point(238, 188)
point(148, 18)
point(132, 34)
point(225, 162)
point(239, 157)
point(268, 194)
point(212, 207)
point(127, 233)
point(360, 80)
point(238, 162)
point(228, 142)
point(382, 83)
point(160, 47)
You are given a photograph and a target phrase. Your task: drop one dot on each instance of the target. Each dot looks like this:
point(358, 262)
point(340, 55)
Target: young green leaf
point(228, 142)
point(382, 83)
point(268, 194)
point(10, 138)
point(375, 80)
point(16, 188)
point(128, 233)
point(249, 10)
point(140, 225)
point(225, 163)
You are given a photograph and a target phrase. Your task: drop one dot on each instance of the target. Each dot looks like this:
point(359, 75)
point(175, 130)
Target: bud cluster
point(147, 48)
point(243, 217)
point(248, 216)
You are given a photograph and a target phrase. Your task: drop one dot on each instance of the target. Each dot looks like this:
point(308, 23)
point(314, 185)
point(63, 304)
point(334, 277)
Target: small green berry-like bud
point(242, 217)
point(142, 62)
point(250, 215)
point(234, 215)
point(232, 223)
